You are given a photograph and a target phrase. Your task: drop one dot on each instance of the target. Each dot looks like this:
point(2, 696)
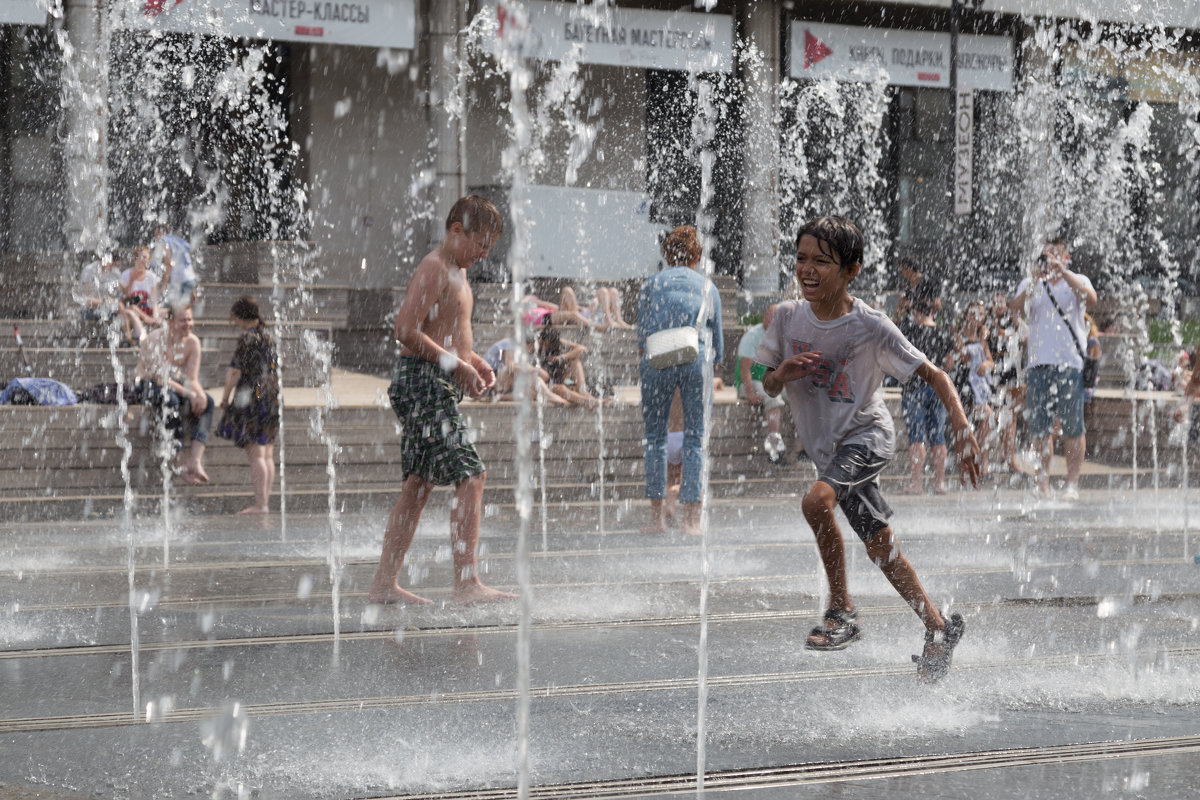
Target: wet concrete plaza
point(1079, 675)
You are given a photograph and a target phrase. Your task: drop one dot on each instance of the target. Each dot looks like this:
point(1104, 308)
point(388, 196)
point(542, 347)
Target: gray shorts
point(854, 475)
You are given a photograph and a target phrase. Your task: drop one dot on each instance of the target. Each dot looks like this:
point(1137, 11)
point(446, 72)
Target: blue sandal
point(932, 667)
point(838, 636)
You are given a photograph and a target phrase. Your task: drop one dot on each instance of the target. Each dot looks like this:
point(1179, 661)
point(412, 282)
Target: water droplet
point(225, 734)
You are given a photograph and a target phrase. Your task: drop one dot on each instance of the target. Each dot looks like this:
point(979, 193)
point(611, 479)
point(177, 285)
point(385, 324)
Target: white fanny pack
point(674, 346)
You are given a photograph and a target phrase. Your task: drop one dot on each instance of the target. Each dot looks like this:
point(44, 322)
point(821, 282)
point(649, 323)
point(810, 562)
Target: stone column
point(443, 21)
point(760, 248)
point(86, 112)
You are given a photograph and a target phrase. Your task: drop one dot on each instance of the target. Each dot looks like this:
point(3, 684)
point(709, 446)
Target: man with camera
point(1056, 299)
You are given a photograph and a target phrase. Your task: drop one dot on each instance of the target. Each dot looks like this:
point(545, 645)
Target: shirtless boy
point(830, 352)
point(437, 365)
point(168, 375)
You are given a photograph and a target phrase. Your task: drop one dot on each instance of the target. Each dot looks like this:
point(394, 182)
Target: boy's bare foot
point(395, 594)
point(474, 593)
point(654, 526)
point(191, 477)
point(255, 510)
point(939, 488)
point(910, 489)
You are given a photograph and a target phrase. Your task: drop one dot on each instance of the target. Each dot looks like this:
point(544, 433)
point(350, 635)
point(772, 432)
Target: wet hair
point(924, 295)
point(1055, 241)
point(173, 311)
point(682, 247)
point(246, 308)
point(475, 214)
point(549, 340)
point(972, 305)
point(141, 248)
point(836, 236)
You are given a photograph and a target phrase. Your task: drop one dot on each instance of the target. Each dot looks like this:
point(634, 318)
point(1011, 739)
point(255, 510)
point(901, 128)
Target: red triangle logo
point(814, 49)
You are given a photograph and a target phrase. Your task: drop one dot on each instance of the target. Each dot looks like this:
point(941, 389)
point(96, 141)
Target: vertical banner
point(964, 136)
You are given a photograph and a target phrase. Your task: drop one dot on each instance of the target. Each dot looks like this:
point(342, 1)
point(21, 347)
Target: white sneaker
point(774, 446)
point(1070, 493)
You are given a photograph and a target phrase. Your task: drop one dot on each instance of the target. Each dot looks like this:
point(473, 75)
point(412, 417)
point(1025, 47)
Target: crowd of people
point(825, 356)
point(149, 306)
point(1012, 371)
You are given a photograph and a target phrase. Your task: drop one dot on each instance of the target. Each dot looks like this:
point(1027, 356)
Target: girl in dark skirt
point(251, 400)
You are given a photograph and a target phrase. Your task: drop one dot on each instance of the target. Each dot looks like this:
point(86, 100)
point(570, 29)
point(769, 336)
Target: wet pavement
point(1078, 675)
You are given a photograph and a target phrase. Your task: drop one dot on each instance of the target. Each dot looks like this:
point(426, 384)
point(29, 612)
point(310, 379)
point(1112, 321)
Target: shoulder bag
point(1091, 366)
point(674, 346)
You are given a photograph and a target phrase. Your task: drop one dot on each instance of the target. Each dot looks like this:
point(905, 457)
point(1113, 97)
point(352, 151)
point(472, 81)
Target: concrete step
point(84, 366)
point(295, 303)
point(73, 332)
point(377, 498)
point(64, 456)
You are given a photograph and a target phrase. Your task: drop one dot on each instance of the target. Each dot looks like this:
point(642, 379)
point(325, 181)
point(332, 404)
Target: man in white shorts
point(749, 384)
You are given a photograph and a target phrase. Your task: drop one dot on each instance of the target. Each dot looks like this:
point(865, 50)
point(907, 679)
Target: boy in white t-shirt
point(830, 353)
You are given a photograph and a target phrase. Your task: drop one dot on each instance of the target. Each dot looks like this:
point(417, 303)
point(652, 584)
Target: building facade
point(346, 129)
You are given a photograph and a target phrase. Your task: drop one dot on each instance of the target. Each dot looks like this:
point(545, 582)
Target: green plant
point(1160, 332)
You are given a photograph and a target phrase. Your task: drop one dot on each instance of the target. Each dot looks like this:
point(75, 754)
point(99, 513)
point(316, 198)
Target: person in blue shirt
point(678, 296)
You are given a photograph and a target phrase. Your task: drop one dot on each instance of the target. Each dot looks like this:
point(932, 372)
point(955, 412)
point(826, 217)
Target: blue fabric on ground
point(45, 391)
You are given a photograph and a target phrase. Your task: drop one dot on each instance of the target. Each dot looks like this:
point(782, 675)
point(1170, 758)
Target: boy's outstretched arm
point(790, 369)
point(965, 446)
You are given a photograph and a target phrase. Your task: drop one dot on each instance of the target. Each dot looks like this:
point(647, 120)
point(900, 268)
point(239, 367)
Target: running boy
point(437, 365)
point(830, 352)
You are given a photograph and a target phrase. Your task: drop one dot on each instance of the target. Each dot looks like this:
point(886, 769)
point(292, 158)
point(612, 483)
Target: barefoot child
point(167, 377)
point(437, 365)
point(251, 399)
point(830, 352)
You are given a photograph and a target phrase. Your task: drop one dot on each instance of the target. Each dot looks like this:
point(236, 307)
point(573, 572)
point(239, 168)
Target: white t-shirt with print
point(1050, 341)
point(841, 403)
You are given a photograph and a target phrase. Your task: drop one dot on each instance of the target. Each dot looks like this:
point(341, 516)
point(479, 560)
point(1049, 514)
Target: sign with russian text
point(904, 58)
point(22, 12)
point(365, 23)
point(964, 144)
point(625, 37)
